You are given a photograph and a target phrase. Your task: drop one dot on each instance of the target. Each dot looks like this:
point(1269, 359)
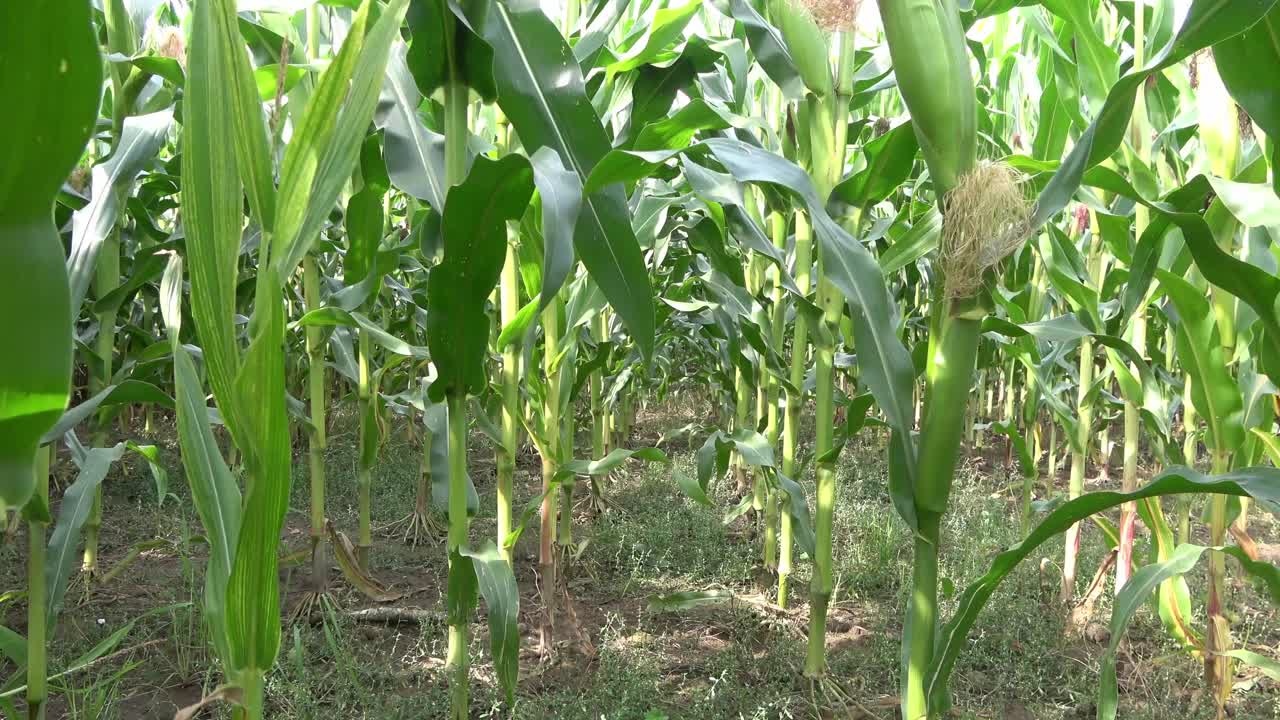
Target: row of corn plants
point(832, 219)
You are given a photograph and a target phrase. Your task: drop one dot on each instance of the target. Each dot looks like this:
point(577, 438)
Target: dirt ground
point(618, 654)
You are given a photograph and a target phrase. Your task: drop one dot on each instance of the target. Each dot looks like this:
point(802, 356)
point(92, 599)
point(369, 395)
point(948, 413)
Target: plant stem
point(828, 137)
point(37, 621)
point(599, 416)
point(364, 470)
point(1218, 667)
point(457, 660)
point(252, 682)
point(550, 465)
point(316, 440)
point(509, 294)
point(922, 615)
point(1084, 413)
point(799, 362)
point(823, 582)
point(564, 537)
point(106, 279)
point(741, 411)
point(786, 545)
point(948, 379)
point(1132, 420)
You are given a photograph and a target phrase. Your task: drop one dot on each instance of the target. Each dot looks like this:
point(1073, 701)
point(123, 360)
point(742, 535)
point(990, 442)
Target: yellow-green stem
point(828, 137)
point(509, 297)
point(106, 279)
point(1218, 667)
point(1084, 430)
point(550, 465)
point(948, 379)
point(252, 683)
point(316, 440)
point(364, 470)
point(786, 544)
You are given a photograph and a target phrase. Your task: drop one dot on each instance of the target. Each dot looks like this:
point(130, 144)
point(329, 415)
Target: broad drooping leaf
point(1137, 591)
point(414, 153)
point(475, 237)
point(541, 91)
point(51, 79)
point(885, 363)
point(72, 514)
point(139, 142)
point(1214, 392)
point(1207, 22)
point(1249, 64)
point(484, 571)
point(214, 490)
point(1259, 483)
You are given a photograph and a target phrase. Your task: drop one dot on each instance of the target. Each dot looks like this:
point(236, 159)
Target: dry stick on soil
point(1083, 612)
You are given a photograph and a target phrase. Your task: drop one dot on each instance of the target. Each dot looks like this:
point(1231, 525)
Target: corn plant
point(241, 590)
point(922, 227)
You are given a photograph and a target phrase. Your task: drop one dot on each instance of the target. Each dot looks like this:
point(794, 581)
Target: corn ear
point(931, 63)
point(1219, 120)
point(806, 42)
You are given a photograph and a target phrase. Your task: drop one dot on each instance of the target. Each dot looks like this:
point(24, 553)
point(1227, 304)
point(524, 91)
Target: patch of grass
point(723, 661)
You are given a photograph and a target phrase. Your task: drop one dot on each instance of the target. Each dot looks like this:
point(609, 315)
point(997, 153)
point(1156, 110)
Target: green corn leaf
point(128, 392)
point(798, 508)
point(475, 236)
point(214, 490)
point(1207, 22)
point(1269, 667)
point(1173, 599)
point(253, 603)
point(140, 140)
point(1255, 286)
point(693, 489)
point(212, 198)
point(1246, 63)
point(436, 419)
point(766, 44)
point(1214, 391)
point(712, 458)
point(1262, 484)
point(1026, 463)
point(1095, 62)
point(333, 316)
point(462, 590)
point(434, 30)
point(1139, 588)
point(889, 160)
point(52, 78)
point(335, 146)
point(678, 130)
point(313, 136)
point(13, 646)
point(614, 460)
point(1134, 594)
point(497, 585)
point(595, 32)
point(919, 241)
point(414, 154)
point(541, 91)
point(655, 41)
point(94, 464)
point(560, 191)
